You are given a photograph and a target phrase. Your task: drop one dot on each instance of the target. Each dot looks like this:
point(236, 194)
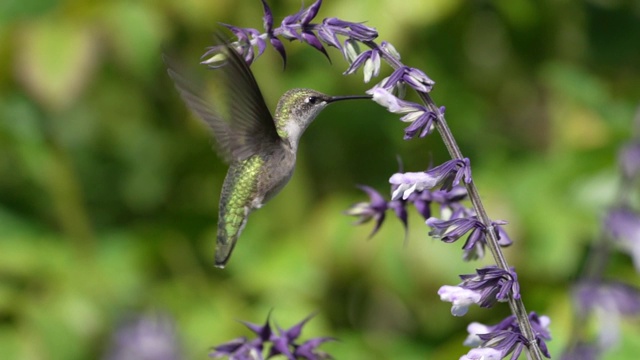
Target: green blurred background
point(109, 187)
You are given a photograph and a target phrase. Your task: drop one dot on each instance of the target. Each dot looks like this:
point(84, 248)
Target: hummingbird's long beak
point(348, 97)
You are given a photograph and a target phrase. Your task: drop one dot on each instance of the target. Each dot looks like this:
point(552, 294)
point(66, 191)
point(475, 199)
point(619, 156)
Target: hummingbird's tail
point(224, 248)
point(229, 230)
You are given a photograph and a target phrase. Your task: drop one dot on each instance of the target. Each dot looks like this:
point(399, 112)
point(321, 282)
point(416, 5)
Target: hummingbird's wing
point(250, 125)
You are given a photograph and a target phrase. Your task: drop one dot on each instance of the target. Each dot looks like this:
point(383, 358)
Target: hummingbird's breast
point(279, 166)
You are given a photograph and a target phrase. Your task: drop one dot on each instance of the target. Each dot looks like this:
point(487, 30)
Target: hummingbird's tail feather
point(224, 248)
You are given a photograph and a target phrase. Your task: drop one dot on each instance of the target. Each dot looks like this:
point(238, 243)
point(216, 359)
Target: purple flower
point(446, 176)
point(459, 297)
point(371, 61)
point(624, 225)
point(506, 336)
point(393, 104)
point(423, 123)
point(582, 351)
point(268, 27)
point(612, 297)
point(609, 302)
point(629, 160)
point(145, 338)
point(376, 209)
point(284, 343)
point(489, 285)
point(298, 27)
point(493, 283)
point(412, 77)
point(355, 31)
point(482, 354)
point(390, 49)
point(421, 118)
point(451, 230)
point(238, 349)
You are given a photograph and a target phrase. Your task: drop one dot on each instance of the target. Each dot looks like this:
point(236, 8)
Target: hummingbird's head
point(297, 108)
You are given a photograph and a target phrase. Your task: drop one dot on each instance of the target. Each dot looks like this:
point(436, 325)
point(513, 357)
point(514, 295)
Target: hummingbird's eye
point(312, 100)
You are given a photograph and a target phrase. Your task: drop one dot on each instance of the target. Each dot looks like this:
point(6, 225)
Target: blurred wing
point(219, 127)
point(251, 125)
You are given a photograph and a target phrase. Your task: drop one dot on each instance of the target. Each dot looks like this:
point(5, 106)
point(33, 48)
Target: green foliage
point(109, 188)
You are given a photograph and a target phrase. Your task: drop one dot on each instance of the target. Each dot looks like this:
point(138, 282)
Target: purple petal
point(356, 31)
point(418, 80)
point(423, 207)
point(267, 19)
point(277, 44)
point(312, 40)
point(329, 37)
point(390, 49)
point(263, 331)
point(311, 12)
point(391, 102)
point(295, 331)
point(293, 19)
point(379, 220)
point(483, 354)
point(306, 350)
point(358, 62)
point(400, 211)
point(280, 346)
point(459, 298)
point(393, 79)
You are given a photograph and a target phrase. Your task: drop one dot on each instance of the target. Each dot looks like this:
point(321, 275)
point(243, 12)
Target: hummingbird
point(259, 148)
